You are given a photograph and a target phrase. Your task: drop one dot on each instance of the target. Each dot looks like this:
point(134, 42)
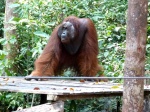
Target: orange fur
point(55, 58)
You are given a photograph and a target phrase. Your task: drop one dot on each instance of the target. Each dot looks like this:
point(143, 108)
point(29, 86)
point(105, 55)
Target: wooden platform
point(64, 89)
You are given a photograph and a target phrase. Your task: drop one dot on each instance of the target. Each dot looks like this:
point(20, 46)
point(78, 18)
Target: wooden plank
point(79, 97)
point(57, 87)
point(61, 87)
point(49, 107)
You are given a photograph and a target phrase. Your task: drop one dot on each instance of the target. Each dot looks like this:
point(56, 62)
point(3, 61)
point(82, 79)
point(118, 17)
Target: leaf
point(96, 83)
point(8, 96)
point(3, 41)
point(34, 53)
point(3, 53)
point(82, 80)
point(64, 88)
point(51, 23)
point(5, 79)
point(148, 48)
point(13, 40)
point(71, 89)
point(14, 5)
point(36, 88)
point(95, 18)
point(115, 87)
point(117, 29)
point(106, 54)
point(41, 34)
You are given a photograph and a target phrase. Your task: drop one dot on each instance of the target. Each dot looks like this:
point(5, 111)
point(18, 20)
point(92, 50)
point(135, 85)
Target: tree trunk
point(9, 32)
point(135, 55)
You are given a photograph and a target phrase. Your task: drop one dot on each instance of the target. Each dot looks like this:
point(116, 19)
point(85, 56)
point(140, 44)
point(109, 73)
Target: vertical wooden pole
point(133, 92)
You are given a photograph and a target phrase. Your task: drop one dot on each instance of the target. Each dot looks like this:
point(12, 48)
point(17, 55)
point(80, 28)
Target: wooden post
point(133, 92)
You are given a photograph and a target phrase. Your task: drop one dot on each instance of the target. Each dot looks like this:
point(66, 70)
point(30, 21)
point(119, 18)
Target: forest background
point(35, 20)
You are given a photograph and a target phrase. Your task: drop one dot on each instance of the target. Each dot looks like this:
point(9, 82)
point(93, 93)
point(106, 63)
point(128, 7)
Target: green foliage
point(11, 101)
point(147, 66)
point(111, 31)
point(109, 104)
point(36, 20)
